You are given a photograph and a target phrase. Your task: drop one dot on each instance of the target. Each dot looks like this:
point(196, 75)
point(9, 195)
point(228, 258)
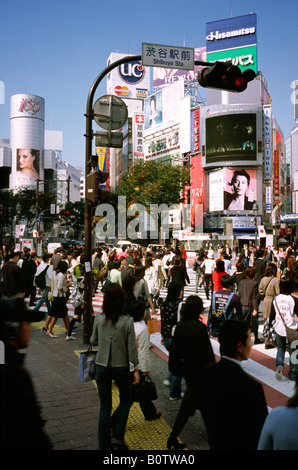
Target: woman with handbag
point(113, 332)
point(60, 296)
point(268, 289)
point(145, 391)
point(284, 314)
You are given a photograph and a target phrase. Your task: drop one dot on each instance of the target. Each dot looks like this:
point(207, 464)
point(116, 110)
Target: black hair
point(231, 333)
point(174, 289)
point(114, 302)
point(226, 281)
point(286, 286)
point(220, 266)
point(240, 173)
point(137, 310)
point(192, 308)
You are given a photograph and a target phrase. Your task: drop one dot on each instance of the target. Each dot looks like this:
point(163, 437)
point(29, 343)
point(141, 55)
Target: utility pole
point(89, 165)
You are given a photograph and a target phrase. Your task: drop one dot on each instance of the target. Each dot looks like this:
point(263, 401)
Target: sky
point(57, 48)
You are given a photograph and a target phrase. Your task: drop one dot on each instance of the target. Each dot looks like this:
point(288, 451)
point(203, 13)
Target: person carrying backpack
point(43, 282)
point(225, 304)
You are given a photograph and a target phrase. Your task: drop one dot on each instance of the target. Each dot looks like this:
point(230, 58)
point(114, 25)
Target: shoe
point(66, 333)
point(166, 383)
point(172, 442)
point(258, 341)
point(51, 335)
point(269, 346)
point(278, 374)
point(156, 416)
point(70, 338)
point(176, 398)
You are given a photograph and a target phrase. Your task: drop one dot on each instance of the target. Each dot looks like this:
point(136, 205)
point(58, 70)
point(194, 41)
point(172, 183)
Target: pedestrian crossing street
point(260, 365)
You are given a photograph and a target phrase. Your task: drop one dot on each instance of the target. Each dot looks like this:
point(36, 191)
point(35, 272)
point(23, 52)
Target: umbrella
point(282, 241)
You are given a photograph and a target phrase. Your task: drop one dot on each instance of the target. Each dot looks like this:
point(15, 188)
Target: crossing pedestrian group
point(232, 404)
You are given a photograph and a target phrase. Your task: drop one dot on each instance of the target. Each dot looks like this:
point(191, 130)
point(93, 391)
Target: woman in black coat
point(190, 351)
point(178, 272)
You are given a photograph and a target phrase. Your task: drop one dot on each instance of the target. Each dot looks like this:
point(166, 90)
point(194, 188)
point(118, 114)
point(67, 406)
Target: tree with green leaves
point(150, 182)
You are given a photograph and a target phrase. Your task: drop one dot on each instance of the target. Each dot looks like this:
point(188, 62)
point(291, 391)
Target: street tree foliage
point(27, 199)
point(149, 182)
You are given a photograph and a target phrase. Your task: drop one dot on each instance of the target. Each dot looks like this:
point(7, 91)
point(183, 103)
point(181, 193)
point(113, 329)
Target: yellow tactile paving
point(141, 434)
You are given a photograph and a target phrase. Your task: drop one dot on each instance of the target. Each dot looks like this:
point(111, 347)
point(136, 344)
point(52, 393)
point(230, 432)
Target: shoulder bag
point(87, 365)
point(292, 335)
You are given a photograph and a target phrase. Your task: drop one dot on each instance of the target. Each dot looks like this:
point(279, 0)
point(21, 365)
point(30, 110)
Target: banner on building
point(267, 142)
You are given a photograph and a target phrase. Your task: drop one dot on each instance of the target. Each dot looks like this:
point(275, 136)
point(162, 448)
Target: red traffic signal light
point(95, 194)
point(224, 76)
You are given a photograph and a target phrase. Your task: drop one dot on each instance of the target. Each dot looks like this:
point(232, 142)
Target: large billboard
point(164, 106)
point(232, 189)
point(233, 40)
point(231, 137)
point(129, 80)
point(167, 76)
point(28, 167)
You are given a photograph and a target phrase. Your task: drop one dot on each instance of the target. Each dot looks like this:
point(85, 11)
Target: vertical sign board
point(267, 142)
point(138, 131)
point(276, 177)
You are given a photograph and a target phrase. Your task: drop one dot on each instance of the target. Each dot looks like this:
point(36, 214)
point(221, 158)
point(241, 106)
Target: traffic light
point(225, 76)
point(94, 192)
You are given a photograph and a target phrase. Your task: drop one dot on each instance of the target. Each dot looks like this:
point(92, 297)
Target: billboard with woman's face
point(28, 168)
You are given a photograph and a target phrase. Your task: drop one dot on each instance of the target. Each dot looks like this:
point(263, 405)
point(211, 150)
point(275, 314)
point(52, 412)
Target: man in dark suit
point(232, 403)
point(260, 264)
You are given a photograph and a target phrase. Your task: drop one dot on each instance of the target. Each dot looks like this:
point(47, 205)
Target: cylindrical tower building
point(27, 114)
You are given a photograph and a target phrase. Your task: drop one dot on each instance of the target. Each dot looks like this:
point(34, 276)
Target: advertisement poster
point(28, 168)
point(240, 189)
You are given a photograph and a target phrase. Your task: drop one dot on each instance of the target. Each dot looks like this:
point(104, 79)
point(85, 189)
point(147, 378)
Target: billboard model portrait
point(153, 110)
point(27, 167)
point(240, 189)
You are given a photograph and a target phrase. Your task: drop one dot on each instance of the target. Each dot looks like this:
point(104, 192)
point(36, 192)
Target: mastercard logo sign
point(121, 90)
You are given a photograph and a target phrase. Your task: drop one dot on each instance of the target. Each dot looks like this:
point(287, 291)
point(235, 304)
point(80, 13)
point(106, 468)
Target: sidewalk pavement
point(70, 407)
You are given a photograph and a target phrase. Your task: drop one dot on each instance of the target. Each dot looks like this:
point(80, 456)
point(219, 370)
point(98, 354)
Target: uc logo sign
point(131, 72)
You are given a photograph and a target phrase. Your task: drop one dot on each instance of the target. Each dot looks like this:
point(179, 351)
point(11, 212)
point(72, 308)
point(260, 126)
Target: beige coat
point(271, 291)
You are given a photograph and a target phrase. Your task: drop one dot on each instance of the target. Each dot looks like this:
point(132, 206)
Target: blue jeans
point(43, 300)
point(104, 376)
point(282, 346)
point(175, 388)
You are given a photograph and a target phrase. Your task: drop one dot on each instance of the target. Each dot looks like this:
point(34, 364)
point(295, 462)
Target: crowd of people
point(131, 280)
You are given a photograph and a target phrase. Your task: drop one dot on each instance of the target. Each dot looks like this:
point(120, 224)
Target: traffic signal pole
point(89, 164)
